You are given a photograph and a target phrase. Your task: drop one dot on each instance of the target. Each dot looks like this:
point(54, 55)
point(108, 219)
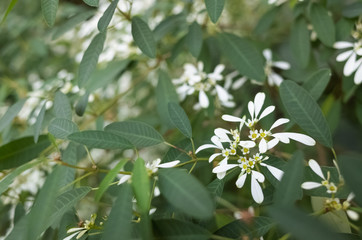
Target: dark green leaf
point(100, 139)
point(21, 151)
point(243, 56)
point(39, 122)
point(69, 155)
point(8, 10)
point(216, 187)
point(61, 128)
point(179, 119)
point(107, 180)
point(266, 21)
point(289, 190)
point(180, 230)
point(143, 37)
point(141, 186)
point(90, 58)
point(138, 133)
point(323, 24)
point(194, 39)
point(11, 114)
point(107, 16)
point(350, 169)
point(186, 193)
point(168, 25)
point(120, 217)
point(352, 10)
point(300, 43)
point(317, 82)
point(92, 3)
point(49, 9)
point(62, 108)
point(173, 153)
point(81, 105)
point(305, 112)
point(214, 9)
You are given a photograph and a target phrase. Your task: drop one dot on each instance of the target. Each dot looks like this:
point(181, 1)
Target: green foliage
point(350, 166)
point(38, 123)
point(214, 9)
point(11, 114)
point(176, 229)
point(107, 16)
point(323, 24)
point(143, 37)
point(299, 41)
point(194, 39)
point(62, 107)
point(317, 82)
point(179, 119)
point(62, 128)
point(49, 9)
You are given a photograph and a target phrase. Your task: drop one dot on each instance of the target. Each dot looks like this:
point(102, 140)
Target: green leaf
point(138, 133)
point(350, 166)
point(323, 24)
point(107, 180)
point(243, 56)
point(141, 186)
point(21, 151)
point(300, 225)
point(173, 153)
point(168, 25)
point(289, 190)
point(49, 9)
point(317, 82)
point(61, 128)
point(100, 139)
point(8, 10)
point(216, 187)
point(180, 230)
point(119, 220)
point(214, 9)
point(11, 114)
point(107, 16)
point(92, 3)
point(266, 21)
point(62, 108)
point(352, 10)
point(194, 39)
point(69, 155)
point(300, 42)
point(179, 119)
point(185, 193)
point(39, 122)
point(90, 58)
point(8, 179)
point(143, 37)
point(81, 105)
point(305, 112)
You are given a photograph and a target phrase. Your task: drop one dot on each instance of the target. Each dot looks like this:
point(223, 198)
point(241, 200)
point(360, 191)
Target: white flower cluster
point(331, 203)
point(272, 76)
point(250, 154)
point(84, 228)
point(195, 80)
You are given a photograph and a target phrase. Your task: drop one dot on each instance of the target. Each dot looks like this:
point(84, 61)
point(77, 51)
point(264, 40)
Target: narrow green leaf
point(81, 105)
point(62, 108)
point(143, 37)
point(305, 112)
point(141, 186)
point(179, 230)
point(169, 25)
point(214, 9)
point(138, 133)
point(243, 56)
point(61, 128)
point(39, 122)
point(194, 39)
point(289, 190)
point(300, 225)
point(179, 119)
point(69, 155)
point(107, 16)
point(317, 82)
point(49, 9)
point(266, 21)
point(11, 114)
point(351, 166)
point(107, 180)
point(186, 193)
point(323, 24)
point(300, 42)
point(173, 153)
point(21, 151)
point(352, 10)
point(100, 139)
point(92, 3)
point(120, 217)
point(90, 58)
point(8, 10)
point(216, 187)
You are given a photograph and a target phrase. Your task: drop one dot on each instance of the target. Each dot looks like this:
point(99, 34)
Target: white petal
point(282, 65)
point(169, 164)
point(238, 83)
point(258, 103)
point(228, 104)
point(221, 175)
point(247, 144)
point(256, 191)
point(350, 197)
point(311, 185)
point(277, 173)
point(224, 168)
point(213, 156)
point(251, 109)
point(358, 76)
point(316, 168)
point(258, 176)
point(299, 137)
point(217, 142)
point(267, 54)
point(263, 146)
point(266, 112)
point(342, 44)
point(124, 179)
point(219, 68)
point(81, 234)
point(272, 143)
point(203, 99)
point(70, 236)
point(71, 230)
point(230, 118)
point(222, 94)
point(343, 56)
point(222, 134)
point(205, 146)
point(279, 122)
point(275, 78)
point(281, 137)
point(351, 65)
point(352, 215)
point(241, 180)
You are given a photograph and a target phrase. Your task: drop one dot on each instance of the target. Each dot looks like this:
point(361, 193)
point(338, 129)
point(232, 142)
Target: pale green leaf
point(100, 139)
point(49, 9)
point(323, 24)
point(61, 128)
point(194, 39)
point(62, 108)
point(39, 122)
point(92, 3)
point(11, 114)
point(143, 37)
point(305, 112)
point(8, 10)
point(317, 82)
point(179, 119)
point(169, 25)
point(90, 58)
point(138, 133)
point(107, 16)
point(300, 42)
point(141, 185)
point(214, 9)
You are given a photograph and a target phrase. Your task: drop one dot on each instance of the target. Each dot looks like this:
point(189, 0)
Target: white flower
point(273, 78)
point(218, 145)
point(331, 187)
point(352, 64)
point(346, 205)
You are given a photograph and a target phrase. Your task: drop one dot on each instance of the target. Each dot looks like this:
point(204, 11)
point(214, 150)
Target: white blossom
point(273, 77)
